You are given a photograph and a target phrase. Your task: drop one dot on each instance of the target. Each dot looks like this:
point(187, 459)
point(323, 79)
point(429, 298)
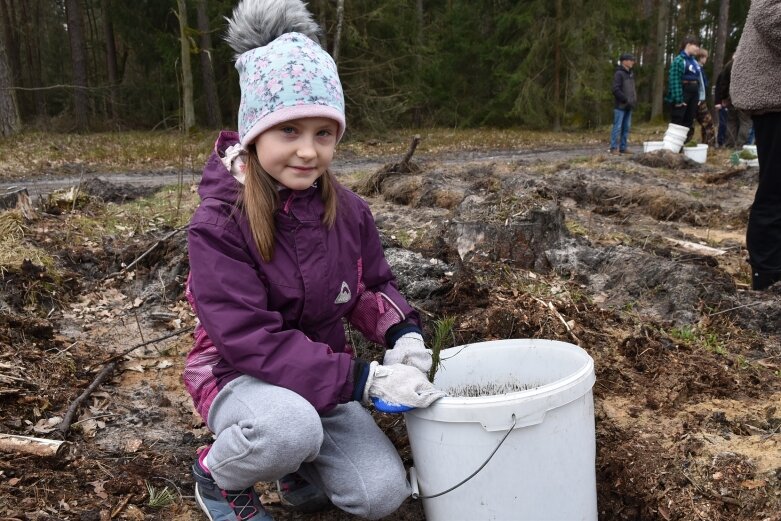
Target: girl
point(281, 254)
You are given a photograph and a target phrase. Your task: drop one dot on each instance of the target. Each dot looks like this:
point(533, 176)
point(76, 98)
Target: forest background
point(104, 65)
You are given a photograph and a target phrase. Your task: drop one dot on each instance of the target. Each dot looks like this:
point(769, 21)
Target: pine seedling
point(159, 498)
point(443, 331)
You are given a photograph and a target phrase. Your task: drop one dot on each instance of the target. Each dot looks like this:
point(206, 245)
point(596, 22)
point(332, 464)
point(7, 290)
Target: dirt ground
point(638, 259)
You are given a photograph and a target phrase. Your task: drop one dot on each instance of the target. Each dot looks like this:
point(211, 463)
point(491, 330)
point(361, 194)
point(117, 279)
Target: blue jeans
point(721, 137)
point(622, 120)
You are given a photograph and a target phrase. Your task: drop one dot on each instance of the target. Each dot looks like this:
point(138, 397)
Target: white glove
point(400, 384)
point(410, 350)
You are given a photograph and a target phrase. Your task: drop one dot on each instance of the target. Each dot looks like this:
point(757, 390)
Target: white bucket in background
point(544, 469)
point(698, 153)
point(675, 137)
point(750, 162)
point(650, 146)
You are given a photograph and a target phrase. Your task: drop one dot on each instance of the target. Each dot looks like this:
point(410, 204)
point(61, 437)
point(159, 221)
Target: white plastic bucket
point(675, 136)
point(544, 466)
point(650, 146)
point(750, 162)
point(698, 153)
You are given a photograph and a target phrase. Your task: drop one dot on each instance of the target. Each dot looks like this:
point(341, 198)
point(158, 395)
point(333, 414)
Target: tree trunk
point(12, 45)
point(648, 54)
point(663, 16)
point(34, 30)
point(78, 49)
point(322, 6)
point(111, 61)
point(338, 35)
point(187, 73)
point(213, 113)
point(557, 68)
point(417, 111)
point(9, 112)
point(721, 40)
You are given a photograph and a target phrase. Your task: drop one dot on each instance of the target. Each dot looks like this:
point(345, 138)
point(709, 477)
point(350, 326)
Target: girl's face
point(297, 152)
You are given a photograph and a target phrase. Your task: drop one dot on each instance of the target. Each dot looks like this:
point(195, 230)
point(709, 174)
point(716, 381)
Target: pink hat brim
point(294, 112)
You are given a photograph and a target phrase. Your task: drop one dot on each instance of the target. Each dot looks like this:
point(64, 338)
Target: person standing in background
point(737, 122)
point(626, 99)
point(756, 76)
point(683, 90)
point(703, 116)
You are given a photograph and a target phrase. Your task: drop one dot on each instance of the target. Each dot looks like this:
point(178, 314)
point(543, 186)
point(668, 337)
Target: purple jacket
point(281, 321)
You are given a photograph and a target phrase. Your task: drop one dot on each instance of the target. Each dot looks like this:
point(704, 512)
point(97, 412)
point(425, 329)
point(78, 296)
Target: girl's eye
point(287, 130)
point(324, 133)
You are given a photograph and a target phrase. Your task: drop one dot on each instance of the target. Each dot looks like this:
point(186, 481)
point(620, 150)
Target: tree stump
point(18, 199)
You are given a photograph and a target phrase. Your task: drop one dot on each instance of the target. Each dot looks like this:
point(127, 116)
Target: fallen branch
point(148, 342)
point(147, 252)
point(13, 443)
point(120, 506)
point(110, 364)
point(555, 311)
point(404, 166)
point(65, 425)
point(373, 184)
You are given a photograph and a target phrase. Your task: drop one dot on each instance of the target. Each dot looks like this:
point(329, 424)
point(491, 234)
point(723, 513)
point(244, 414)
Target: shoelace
point(241, 503)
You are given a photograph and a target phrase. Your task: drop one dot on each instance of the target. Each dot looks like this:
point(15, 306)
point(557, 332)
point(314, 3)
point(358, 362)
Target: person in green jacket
point(683, 89)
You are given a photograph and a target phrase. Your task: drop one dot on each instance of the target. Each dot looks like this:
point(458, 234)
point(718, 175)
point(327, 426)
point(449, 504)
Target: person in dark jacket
point(683, 86)
point(280, 255)
point(756, 76)
point(626, 99)
point(737, 122)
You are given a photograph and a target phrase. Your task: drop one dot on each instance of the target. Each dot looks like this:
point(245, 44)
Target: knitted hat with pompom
point(284, 73)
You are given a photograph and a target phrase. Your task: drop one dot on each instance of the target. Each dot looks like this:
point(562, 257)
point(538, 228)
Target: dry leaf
point(88, 428)
point(97, 486)
point(45, 425)
point(164, 364)
point(131, 445)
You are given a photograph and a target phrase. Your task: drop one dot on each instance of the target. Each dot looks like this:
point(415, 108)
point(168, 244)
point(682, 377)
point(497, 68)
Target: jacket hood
point(217, 181)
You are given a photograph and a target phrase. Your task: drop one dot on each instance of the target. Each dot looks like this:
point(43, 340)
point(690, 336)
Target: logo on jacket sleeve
point(344, 294)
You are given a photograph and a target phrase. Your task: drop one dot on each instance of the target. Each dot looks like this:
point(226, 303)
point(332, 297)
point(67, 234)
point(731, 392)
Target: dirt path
point(43, 185)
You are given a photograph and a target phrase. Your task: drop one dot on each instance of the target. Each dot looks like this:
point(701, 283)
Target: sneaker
point(226, 505)
point(300, 495)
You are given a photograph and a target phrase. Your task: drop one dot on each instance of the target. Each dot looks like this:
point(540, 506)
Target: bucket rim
point(531, 405)
point(675, 126)
point(588, 365)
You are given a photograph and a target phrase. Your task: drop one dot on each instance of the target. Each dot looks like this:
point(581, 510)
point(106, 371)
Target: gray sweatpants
point(264, 432)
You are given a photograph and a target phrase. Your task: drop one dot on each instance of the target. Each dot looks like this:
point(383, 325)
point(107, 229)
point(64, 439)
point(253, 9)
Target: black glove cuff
point(396, 331)
point(360, 375)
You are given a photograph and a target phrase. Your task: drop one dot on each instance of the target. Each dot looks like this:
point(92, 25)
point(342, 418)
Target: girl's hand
point(399, 385)
point(410, 350)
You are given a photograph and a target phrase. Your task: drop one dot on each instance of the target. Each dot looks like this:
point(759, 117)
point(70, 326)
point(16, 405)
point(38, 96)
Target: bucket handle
point(414, 477)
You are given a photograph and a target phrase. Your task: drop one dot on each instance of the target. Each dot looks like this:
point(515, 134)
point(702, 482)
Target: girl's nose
point(306, 149)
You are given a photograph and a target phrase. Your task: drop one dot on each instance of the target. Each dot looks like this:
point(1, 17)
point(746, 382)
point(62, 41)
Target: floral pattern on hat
point(293, 71)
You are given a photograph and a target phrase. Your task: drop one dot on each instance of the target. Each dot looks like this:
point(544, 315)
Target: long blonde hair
point(260, 200)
